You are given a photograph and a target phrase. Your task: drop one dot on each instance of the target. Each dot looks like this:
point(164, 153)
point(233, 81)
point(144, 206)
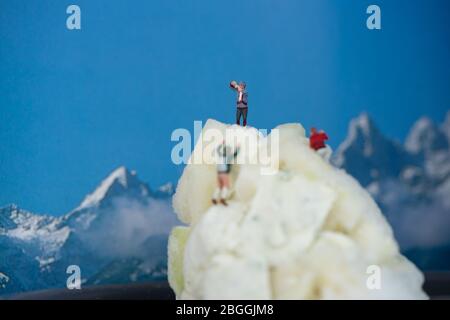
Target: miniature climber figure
point(317, 142)
point(225, 158)
point(241, 103)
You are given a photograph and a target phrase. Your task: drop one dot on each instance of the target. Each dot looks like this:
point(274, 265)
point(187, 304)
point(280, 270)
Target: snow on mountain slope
point(120, 182)
point(121, 219)
point(40, 234)
point(120, 215)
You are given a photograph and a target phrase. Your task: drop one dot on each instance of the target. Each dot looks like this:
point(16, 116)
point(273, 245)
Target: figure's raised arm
point(233, 85)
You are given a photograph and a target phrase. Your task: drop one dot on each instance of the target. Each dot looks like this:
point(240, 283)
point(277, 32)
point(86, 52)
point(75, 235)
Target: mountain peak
point(361, 127)
point(9, 207)
point(118, 182)
point(361, 134)
point(367, 154)
point(363, 122)
point(425, 136)
point(120, 174)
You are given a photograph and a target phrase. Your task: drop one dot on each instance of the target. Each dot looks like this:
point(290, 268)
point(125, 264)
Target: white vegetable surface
point(309, 231)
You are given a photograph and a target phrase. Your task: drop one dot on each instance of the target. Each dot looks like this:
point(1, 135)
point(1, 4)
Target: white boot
point(325, 153)
point(224, 195)
point(216, 196)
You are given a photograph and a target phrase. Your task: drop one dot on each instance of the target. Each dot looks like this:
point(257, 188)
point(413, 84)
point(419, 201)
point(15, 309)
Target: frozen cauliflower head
point(307, 230)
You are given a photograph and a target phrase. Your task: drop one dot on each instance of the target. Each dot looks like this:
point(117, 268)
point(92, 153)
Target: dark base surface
point(135, 291)
point(437, 286)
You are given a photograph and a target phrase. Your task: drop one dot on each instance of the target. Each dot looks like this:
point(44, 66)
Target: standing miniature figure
point(317, 142)
point(242, 106)
point(225, 158)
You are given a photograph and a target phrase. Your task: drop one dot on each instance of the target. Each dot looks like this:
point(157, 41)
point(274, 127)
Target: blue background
point(76, 104)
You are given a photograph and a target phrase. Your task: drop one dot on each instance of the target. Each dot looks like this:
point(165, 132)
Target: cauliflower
point(307, 231)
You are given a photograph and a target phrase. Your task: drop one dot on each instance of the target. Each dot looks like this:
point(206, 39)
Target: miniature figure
point(241, 103)
point(317, 142)
point(225, 158)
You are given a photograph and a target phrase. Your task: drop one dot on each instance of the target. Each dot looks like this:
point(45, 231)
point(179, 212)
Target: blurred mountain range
point(410, 182)
point(118, 234)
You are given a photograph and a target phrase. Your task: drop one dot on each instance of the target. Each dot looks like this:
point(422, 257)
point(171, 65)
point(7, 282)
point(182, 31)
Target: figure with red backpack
point(317, 142)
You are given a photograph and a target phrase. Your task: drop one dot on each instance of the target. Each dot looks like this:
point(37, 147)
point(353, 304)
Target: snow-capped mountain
point(122, 224)
point(368, 155)
point(410, 182)
point(120, 182)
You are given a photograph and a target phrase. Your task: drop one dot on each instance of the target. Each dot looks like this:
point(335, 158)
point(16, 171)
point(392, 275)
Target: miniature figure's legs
point(220, 184)
point(224, 182)
point(241, 112)
point(238, 116)
point(244, 115)
point(218, 192)
point(325, 153)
